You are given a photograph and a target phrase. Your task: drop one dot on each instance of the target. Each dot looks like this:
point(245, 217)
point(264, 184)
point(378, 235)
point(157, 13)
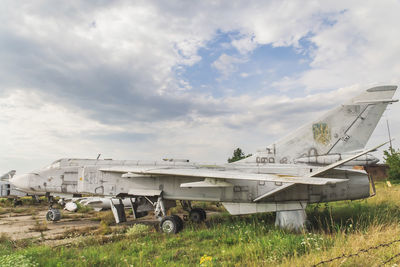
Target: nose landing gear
point(53, 214)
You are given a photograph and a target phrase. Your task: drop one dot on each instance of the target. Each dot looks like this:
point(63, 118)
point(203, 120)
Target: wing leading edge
point(132, 172)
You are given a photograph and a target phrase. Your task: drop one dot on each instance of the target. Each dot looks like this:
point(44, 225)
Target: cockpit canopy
point(55, 165)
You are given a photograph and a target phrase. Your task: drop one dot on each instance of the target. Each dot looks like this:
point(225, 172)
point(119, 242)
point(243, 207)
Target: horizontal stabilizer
point(341, 162)
point(377, 101)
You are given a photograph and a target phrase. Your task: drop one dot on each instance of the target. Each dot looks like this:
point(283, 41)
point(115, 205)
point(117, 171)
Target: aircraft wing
point(207, 174)
point(341, 162)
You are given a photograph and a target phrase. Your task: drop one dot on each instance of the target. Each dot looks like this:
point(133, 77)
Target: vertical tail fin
point(344, 129)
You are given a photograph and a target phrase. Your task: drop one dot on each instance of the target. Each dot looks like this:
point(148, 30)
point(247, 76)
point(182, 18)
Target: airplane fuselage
point(74, 176)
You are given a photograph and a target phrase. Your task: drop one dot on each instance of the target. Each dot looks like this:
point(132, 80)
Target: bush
point(392, 159)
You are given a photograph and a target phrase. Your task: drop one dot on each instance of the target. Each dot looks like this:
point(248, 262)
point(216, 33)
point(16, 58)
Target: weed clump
point(137, 230)
point(105, 217)
point(103, 229)
point(4, 238)
point(83, 208)
point(39, 227)
point(6, 202)
point(75, 232)
point(16, 260)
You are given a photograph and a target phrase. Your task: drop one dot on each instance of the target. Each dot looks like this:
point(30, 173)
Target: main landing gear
point(168, 224)
point(171, 224)
point(196, 215)
point(174, 224)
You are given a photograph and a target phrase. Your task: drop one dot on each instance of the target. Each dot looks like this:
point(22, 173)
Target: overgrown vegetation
point(334, 229)
point(138, 230)
point(83, 208)
point(17, 260)
point(392, 158)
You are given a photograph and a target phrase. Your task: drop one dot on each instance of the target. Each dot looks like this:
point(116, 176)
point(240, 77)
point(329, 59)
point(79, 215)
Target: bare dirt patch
point(30, 222)
point(22, 225)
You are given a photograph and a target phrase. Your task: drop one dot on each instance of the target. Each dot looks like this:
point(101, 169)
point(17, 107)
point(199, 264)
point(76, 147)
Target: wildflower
point(205, 259)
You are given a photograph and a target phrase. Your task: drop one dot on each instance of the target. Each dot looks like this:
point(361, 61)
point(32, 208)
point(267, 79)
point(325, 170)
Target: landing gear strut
point(168, 224)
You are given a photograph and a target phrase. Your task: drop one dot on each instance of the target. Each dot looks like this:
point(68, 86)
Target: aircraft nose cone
point(21, 181)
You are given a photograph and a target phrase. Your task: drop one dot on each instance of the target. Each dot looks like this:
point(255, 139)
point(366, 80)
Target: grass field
point(346, 227)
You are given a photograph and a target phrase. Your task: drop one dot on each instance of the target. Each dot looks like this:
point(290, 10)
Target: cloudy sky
point(182, 79)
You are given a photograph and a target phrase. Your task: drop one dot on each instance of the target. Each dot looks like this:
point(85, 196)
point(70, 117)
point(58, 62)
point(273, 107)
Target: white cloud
point(92, 64)
point(244, 45)
point(227, 64)
point(360, 47)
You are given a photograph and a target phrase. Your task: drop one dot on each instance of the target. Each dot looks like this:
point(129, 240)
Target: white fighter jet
point(302, 168)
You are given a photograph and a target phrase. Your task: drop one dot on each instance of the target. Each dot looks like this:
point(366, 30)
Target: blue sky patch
point(253, 73)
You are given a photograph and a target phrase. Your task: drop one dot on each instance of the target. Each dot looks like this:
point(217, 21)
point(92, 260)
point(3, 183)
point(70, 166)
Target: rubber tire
point(204, 214)
point(141, 214)
point(169, 225)
point(53, 215)
point(179, 221)
point(197, 215)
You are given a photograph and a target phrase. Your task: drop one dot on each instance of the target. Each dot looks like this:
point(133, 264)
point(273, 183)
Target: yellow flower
point(205, 259)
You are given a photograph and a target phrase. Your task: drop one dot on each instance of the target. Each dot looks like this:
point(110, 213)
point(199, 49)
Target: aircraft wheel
point(17, 202)
point(197, 215)
point(170, 225)
point(141, 214)
point(53, 215)
point(179, 221)
point(204, 214)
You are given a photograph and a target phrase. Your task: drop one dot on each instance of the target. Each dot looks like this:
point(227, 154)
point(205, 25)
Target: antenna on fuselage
point(98, 156)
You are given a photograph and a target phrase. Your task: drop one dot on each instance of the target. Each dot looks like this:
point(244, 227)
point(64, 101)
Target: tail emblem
point(322, 133)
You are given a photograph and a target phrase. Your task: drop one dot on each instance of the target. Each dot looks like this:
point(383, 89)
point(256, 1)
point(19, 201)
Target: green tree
point(392, 158)
point(238, 154)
